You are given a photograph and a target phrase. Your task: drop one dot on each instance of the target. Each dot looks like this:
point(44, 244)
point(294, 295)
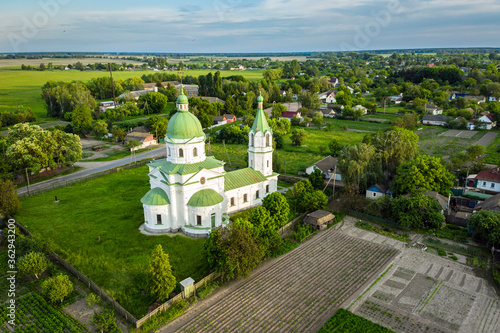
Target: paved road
point(94, 167)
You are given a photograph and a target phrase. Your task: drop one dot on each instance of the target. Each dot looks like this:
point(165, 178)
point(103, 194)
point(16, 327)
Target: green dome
point(260, 99)
point(182, 99)
point(184, 125)
point(205, 198)
point(156, 197)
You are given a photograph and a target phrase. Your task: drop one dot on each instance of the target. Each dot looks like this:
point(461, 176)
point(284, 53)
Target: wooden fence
point(170, 302)
point(120, 309)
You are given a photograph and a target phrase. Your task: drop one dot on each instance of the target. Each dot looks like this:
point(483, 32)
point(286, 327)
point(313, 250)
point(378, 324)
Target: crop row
point(34, 314)
point(300, 290)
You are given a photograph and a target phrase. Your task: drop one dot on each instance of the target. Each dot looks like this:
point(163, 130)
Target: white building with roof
point(191, 192)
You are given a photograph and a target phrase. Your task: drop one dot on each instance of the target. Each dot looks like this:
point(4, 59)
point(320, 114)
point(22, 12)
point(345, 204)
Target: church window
point(245, 198)
point(257, 194)
point(158, 219)
point(195, 152)
point(202, 180)
point(267, 188)
point(267, 140)
point(268, 163)
point(251, 139)
point(181, 152)
point(198, 219)
point(168, 151)
point(232, 201)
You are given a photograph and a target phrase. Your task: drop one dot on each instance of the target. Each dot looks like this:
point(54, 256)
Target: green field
point(381, 116)
point(357, 125)
point(297, 158)
point(344, 321)
point(390, 109)
point(109, 208)
point(492, 151)
point(432, 144)
point(23, 88)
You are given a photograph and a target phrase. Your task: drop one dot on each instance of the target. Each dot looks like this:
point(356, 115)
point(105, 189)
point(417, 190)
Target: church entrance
point(213, 220)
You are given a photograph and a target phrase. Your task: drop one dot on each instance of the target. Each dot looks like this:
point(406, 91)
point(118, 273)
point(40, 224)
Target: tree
point(315, 200)
point(297, 194)
point(217, 85)
point(9, 202)
point(161, 282)
point(486, 226)
point(158, 126)
point(344, 98)
point(34, 263)
point(57, 287)
point(310, 100)
point(417, 211)
point(317, 180)
point(234, 250)
point(105, 321)
point(119, 133)
point(81, 119)
point(318, 119)
point(395, 147)
point(260, 218)
point(278, 208)
point(298, 137)
point(360, 165)
point(424, 173)
point(475, 151)
point(153, 102)
point(100, 129)
point(68, 148)
point(334, 147)
point(278, 110)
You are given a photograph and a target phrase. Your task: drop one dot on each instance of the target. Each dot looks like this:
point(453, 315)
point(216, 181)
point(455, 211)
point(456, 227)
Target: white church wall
point(150, 215)
point(188, 156)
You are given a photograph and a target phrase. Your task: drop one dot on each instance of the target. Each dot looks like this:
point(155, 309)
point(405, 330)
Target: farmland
point(432, 142)
point(95, 227)
point(23, 88)
point(300, 291)
point(346, 322)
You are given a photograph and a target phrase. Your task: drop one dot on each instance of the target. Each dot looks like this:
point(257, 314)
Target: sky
point(242, 26)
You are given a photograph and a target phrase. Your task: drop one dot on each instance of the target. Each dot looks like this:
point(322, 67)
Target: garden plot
point(300, 291)
point(423, 292)
point(459, 134)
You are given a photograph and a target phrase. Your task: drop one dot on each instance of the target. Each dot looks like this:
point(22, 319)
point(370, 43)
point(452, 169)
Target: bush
point(441, 252)
point(207, 289)
point(91, 299)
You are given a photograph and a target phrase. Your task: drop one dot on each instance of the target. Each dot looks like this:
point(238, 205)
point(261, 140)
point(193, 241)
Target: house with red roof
point(485, 121)
point(289, 115)
point(489, 181)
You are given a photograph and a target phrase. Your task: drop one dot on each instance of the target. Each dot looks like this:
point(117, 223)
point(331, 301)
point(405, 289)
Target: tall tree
point(218, 92)
point(81, 119)
point(161, 280)
point(298, 136)
point(57, 287)
point(424, 173)
point(34, 263)
point(278, 208)
point(9, 202)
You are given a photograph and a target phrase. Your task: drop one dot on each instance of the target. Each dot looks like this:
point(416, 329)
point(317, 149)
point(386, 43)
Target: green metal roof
point(242, 177)
point(260, 99)
point(185, 169)
point(182, 99)
point(205, 198)
point(156, 197)
point(260, 123)
point(184, 125)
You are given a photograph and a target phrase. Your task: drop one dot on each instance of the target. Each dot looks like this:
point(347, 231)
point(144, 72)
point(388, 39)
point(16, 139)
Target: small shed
point(187, 286)
point(319, 219)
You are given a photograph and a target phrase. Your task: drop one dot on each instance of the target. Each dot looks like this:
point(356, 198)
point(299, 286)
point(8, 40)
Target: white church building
point(191, 192)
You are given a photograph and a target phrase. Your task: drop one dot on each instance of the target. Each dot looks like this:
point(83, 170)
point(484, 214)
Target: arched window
point(195, 152)
point(181, 152)
point(267, 140)
point(251, 139)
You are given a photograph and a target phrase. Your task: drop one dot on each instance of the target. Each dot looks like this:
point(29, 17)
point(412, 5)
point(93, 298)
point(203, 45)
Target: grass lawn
point(109, 207)
point(432, 144)
point(381, 116)
point(359, 125)
point(493, 155)
point(297, 158)
point(24, 87)
point(390, 109)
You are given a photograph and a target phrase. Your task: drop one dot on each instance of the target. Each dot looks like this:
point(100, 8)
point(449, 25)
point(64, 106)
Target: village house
point(224, 119)
point(289, 115)
point(395, 99)
point(488, 181)
point(145, 139)
point(103, 106)
point(327, 166)
point(378, 191)
point(433, 109)
point(362, 108)
point(434, 120)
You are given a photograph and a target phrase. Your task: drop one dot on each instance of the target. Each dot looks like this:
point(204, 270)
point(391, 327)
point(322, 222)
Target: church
point(191, 192)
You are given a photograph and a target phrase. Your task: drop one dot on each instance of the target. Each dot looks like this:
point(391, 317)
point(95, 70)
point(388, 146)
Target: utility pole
point(112, 85)
point(28, 180)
